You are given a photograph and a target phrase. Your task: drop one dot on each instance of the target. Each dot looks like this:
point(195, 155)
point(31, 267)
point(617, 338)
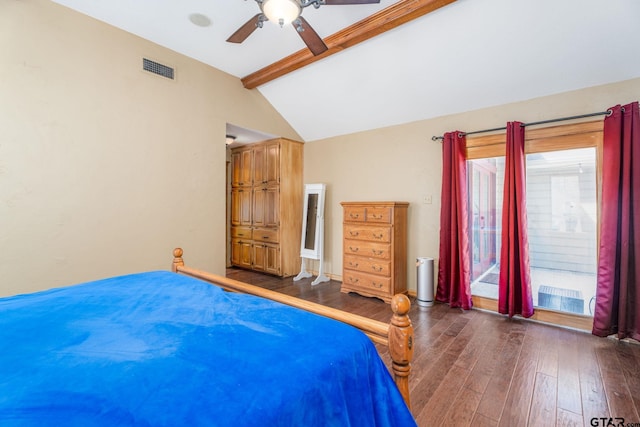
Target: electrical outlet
point(427, 200)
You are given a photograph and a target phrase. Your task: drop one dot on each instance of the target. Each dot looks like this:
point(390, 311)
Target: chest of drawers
point(374, 260)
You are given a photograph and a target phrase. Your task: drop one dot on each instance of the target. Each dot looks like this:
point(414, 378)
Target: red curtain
point(617, 308)
point(514, 286)
point(454, 285)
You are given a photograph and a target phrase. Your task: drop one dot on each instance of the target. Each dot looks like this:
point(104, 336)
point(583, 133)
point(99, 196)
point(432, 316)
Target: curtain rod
point(582, 116)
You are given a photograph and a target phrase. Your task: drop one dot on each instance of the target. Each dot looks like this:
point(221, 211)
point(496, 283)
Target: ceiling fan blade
point(245, 31)
point(350, 1)
point(309, 36)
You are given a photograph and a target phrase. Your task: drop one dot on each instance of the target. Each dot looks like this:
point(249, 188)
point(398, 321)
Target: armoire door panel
point(259, 214)
point(241, 206)
point(272, 164)
point(259, 165)
point(259, 257)
point(242, 168)
point(272, 261)
point(272, 207)
point(244, 196)
point(241, 253)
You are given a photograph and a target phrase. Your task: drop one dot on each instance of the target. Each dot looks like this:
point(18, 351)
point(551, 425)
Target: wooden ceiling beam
point(389, 18)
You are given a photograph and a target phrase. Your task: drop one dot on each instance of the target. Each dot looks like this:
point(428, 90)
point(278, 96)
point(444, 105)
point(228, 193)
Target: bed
point(167, 348)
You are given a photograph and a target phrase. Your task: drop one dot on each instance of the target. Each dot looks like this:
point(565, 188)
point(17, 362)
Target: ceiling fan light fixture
point(281, 11)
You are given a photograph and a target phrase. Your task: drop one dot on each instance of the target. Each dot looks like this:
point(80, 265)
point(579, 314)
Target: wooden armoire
point(266, 206)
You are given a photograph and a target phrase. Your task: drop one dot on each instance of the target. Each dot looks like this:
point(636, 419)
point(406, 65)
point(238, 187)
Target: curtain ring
point(610, 112)
point(461, 134)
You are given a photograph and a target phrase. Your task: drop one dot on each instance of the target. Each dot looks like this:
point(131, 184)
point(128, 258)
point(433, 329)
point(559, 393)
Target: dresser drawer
point(355, 213)
point(367, 249)
point(367, 265)
point(379, 214)
point(267, 235)
point(367, 282)
point(371, 233)
point(241, 233)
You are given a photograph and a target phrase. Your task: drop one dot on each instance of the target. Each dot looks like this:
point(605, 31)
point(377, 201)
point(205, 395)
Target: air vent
point(156, 68)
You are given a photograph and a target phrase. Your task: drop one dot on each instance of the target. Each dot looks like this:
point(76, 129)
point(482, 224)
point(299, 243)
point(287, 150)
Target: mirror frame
point(310, 190)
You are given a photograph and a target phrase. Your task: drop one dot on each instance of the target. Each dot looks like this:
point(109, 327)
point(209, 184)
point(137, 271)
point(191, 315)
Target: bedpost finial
point(177, 260)
point(400, 304)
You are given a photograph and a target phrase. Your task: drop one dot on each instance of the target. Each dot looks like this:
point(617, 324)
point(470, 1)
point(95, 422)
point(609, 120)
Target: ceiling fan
point(289, 11)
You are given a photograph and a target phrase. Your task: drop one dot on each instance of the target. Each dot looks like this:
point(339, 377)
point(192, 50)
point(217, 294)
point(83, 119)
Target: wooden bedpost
point(177, 260)
point(401, 344)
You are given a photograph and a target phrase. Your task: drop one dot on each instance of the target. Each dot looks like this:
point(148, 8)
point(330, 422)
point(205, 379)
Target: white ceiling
point(468, 55)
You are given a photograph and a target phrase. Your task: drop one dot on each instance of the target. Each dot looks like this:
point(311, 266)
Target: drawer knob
point(377, 285)
point(378, 236)
point(355, 265)
point(375, 252)
point(354, 215)
point(376, 268)
point(352, 249)
point(354, 279)
point(376, 216)
point(354, 233)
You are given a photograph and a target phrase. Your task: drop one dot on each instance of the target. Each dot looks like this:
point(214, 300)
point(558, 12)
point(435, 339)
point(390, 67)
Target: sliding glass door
point(482, 216)
point(562, 223)
point(562, 214)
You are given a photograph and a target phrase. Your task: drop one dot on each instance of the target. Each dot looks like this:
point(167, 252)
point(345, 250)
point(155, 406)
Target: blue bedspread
point(161, 349)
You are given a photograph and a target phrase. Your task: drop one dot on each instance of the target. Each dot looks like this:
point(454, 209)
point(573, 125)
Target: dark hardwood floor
point(474, 368)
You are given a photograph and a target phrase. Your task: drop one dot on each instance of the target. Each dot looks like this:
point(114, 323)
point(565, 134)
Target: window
point(562, 213)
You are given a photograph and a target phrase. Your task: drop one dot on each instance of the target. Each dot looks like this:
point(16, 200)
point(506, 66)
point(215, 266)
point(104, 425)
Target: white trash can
point(424, 267)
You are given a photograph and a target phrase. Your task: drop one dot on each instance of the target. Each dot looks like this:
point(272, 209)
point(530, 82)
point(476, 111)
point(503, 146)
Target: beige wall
point(104, 168)
point(403, 163)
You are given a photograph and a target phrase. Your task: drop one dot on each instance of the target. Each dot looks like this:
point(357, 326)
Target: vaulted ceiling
point(396, 61)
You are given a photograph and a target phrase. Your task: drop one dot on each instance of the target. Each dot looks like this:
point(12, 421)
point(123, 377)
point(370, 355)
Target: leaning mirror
point(310, 218)
point(312, 241)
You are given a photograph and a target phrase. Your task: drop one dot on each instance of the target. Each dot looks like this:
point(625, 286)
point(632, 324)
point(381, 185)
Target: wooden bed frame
point(396, 335)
